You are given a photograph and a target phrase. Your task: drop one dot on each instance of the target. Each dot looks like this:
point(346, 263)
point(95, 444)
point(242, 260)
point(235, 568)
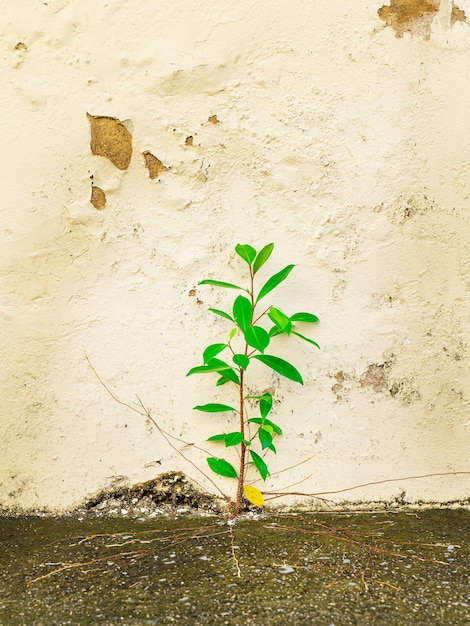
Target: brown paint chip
point(213, 119)
point(415, 16)
point(98, 198)
point(154, 165)
point(111, 139)
point(21, 46)
point(189, 140)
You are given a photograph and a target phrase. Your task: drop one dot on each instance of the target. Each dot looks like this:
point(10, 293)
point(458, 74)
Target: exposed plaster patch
point(374, 377)
point(193, 293)
point(405, 391)
point(189, 140)
point(213, 119)
point(111, 139)
point(415, 16)
point(338, 388)
point(453, 355)
point(98, 198)
point(407, 207)
point(19, 55)
point(457, 15)
point(153, 164)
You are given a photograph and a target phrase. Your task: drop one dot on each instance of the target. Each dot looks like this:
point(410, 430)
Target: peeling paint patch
point(374, 377)
point(189, 140)
point(377, 378)
point(409, 206)
point(213, 119)
point(153, 164)
point(405, 391)
point(339, 388)
point(111, 139)
point(98, 198)
point(415, 16)
point(457, 15)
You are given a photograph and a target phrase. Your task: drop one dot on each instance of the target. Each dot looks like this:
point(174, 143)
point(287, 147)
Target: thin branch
point(82, 564)
point(341, 536)
point(166, 436)
point(234, 556)
point(375, 482)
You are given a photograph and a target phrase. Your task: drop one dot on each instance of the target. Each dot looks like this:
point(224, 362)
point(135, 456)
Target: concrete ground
point(401, 567)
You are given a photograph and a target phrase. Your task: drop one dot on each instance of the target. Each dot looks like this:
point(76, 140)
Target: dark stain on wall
point(153, 164)
point(111, 139)
point(415, 16)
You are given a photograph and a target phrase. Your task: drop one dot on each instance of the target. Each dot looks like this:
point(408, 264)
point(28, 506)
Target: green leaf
point(266, 439)
point(281, 320)
point(202, 369)
point(260, 465)
point(306, 339)
point(221, 467)
point(274, 281)
point(233, 332)
point(265, 404)
point(220, 283)
point(242, 311)
point(257, 337)
point(233, 439)
point(216, 438)
point(216, 365)
point(263, 256)
point(304, 317)
point(222, 381)
point(275, 331)
point(246, 252)
point(222, 314)
point(241, 360)
point(213, 350)
point(226, 370)
point(266, 423)
point(280, 366)
point(214, 408)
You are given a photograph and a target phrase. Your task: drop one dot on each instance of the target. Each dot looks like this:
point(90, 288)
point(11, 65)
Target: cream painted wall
point(347, 146)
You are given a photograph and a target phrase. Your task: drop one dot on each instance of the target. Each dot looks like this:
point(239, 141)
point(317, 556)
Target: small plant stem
point(242, 467)
point(241, 471)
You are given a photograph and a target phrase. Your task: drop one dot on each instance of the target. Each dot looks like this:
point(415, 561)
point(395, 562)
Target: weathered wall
point(340, 131)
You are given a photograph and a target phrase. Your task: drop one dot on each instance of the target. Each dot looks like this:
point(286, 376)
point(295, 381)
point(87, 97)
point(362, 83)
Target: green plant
point(249, 340)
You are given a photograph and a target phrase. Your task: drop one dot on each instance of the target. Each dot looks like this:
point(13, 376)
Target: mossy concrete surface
point(325, 568)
